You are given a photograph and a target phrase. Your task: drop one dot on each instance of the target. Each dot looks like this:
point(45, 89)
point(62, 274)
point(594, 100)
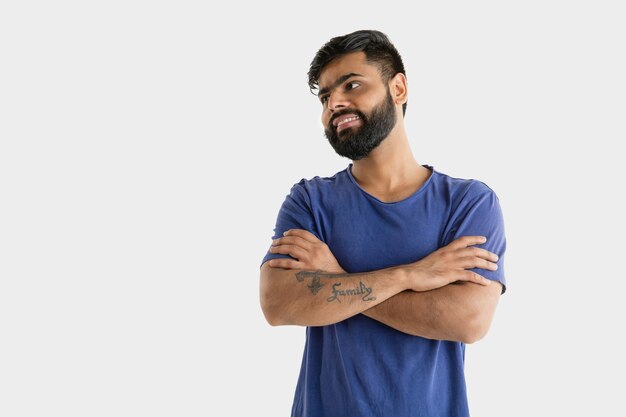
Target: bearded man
point(391, 265)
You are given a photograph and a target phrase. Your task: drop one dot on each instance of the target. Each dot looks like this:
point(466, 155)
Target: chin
point(347, 133)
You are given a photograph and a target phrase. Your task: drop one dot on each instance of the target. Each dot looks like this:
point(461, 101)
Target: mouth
point(344, 121)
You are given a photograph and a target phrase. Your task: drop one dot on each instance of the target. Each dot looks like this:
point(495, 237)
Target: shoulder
point(463, 189)
point(319, 185)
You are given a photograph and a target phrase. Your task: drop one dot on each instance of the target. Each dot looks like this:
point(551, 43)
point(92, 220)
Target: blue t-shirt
point(359, 366)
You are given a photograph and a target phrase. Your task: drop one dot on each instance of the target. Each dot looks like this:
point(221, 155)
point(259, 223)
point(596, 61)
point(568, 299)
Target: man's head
point(378, 50)
point(360, 80)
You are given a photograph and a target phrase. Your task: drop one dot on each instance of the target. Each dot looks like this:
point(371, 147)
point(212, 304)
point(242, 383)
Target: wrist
point(403, 275)
point(414, 275)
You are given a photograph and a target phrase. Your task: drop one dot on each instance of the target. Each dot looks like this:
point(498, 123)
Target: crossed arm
point(418, 298)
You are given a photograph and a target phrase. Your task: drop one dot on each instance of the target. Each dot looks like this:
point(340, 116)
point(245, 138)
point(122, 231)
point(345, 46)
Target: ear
point(398, 88)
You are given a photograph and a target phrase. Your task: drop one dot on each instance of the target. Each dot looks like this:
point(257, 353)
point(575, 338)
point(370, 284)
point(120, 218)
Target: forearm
point(315, 298)
point(461, 313)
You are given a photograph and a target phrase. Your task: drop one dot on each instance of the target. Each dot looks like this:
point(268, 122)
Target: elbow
point(273, 310)
point(472, 336)
point(477, 318)
point(475, 329)
point(272, 317)
point(278, 309)
point(267, 297)
point(273, 321)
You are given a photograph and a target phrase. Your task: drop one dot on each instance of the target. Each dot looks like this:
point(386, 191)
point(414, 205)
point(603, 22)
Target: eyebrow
point(339, 81)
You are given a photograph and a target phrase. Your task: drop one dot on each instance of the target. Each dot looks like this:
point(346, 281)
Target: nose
point(337, 101)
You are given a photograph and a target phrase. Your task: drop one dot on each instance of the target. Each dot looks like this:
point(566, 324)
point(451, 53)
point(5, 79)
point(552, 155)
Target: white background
point(146, 148)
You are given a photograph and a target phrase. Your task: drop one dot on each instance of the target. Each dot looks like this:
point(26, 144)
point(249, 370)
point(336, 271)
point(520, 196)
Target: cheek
point(325, 118)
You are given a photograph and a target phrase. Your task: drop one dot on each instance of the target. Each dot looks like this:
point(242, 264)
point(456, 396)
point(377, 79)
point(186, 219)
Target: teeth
point(349, 119)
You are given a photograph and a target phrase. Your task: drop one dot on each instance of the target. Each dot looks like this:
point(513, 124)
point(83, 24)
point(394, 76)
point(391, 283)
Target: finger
point(478, 253)
point(284, 263)
point(465, 241)
point(304, 234)
point(292, 240)
point(473, 262)
point(470, 276)
point(292, 250)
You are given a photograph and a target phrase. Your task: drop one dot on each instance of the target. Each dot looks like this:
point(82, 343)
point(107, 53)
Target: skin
point(436, 297)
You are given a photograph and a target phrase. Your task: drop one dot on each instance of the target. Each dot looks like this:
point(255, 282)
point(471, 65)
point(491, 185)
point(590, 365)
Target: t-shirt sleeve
point(482, 216)
point(295, 213)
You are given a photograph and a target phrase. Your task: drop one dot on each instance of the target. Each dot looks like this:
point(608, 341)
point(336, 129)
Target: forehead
point(354, 62)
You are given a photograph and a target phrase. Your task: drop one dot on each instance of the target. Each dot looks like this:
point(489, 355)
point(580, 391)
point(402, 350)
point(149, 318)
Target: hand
point(451, 263)
point(310, 252)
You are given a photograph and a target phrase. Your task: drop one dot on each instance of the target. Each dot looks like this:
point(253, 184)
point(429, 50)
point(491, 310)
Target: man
point(391, 265)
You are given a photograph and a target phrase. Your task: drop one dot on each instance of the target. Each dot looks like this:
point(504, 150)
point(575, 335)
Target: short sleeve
point(482, 216)
point(295, 213)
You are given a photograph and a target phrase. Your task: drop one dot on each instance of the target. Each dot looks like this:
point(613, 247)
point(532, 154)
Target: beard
point(357, 142)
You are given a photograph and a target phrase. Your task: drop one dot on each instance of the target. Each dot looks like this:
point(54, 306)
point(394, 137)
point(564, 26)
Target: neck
point(391, 165)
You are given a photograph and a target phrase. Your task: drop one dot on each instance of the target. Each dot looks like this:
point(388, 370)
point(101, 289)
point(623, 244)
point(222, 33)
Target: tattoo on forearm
point(316, 285)
point(362, 290)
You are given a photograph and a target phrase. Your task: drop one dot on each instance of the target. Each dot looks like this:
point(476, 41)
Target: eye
point(324, 99)
point(352, 85)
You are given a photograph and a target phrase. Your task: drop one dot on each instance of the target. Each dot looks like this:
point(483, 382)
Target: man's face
point(359, 112)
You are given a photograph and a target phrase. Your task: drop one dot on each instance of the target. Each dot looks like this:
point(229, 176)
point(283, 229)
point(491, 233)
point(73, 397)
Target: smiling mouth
point(343, 122)
point(347, 120)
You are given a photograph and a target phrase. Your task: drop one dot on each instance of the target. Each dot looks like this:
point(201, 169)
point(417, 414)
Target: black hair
point(376, 45)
